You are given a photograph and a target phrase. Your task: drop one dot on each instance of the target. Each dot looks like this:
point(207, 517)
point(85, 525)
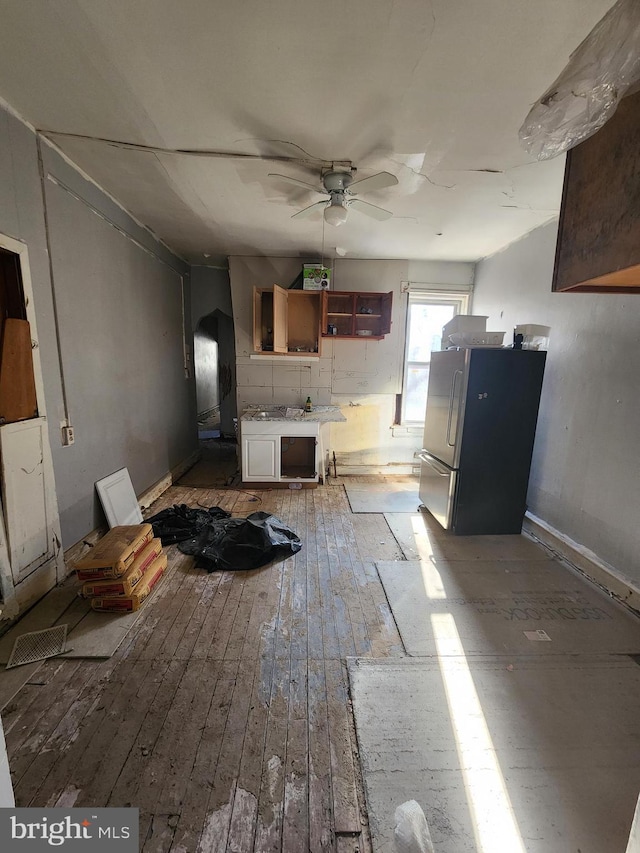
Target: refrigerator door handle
point(428, 459)
point(452, 397)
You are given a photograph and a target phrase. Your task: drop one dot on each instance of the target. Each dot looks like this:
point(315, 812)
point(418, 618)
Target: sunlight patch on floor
point(494, 823)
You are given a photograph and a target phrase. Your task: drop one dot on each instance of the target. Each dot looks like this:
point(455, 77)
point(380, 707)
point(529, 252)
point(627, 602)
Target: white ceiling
point(432, 91)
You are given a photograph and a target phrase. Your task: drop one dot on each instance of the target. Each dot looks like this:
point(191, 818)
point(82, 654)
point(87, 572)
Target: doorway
point(214, 366)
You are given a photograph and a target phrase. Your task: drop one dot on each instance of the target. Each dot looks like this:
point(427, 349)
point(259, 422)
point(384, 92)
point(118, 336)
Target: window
point(427, 313)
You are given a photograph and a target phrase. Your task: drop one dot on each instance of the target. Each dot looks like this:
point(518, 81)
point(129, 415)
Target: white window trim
point(430, 297)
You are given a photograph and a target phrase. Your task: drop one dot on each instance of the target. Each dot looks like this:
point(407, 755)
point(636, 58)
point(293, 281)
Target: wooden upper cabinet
point(286, 322)
point(598, 247)
point(356, 314)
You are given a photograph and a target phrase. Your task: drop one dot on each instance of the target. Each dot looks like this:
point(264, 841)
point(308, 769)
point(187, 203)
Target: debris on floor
point(181, 522)
point(221, 543)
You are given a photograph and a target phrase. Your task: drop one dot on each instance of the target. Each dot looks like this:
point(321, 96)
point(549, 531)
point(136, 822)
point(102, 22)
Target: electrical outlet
point(67, 436)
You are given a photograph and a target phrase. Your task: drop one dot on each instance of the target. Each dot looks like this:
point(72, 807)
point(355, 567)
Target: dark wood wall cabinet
point(354, 314)
point(598, 247)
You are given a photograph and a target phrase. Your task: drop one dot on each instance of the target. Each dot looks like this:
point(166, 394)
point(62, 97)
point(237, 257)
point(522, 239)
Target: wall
point(362, 377)
point(585, 479)
point(119, 299)
point(210, 291)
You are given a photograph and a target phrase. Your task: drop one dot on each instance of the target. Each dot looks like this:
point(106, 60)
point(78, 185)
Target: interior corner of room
point(157, 306)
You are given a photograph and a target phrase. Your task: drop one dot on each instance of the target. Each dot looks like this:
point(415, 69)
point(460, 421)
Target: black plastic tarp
point(181, 522)
point(221, 543)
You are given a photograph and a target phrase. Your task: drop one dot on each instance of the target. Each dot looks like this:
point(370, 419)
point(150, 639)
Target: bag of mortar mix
point(411, 833)
point(114, 553)
point(129, 603)
point(125, 584)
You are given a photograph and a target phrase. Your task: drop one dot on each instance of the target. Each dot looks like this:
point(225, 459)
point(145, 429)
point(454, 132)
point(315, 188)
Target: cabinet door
point(385, 319)
point(257, 320)
point(27, 494)
point(280, 319)
point(260, 458)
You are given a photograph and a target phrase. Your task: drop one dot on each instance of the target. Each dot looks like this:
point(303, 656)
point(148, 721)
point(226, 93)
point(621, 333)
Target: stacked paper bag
point(122, 569)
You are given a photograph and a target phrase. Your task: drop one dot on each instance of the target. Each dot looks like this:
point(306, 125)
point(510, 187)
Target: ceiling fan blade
point(371, 210)
point(375, 182)
point(309, 211)
point(296, 182)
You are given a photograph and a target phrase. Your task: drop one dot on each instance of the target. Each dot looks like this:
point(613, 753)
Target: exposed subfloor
point(225, 714)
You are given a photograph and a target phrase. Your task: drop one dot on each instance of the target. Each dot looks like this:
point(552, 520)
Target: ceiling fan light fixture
point(335, 214)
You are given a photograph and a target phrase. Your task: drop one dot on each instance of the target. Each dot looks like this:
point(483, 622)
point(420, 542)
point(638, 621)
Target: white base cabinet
point(281, 451)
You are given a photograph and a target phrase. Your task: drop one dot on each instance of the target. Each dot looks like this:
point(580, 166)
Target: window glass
point(427, 314)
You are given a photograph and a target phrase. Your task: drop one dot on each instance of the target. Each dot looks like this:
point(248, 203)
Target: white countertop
point(272, 412)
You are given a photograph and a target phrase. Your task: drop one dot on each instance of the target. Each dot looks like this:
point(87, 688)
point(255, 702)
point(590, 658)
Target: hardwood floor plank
point(53, 678)
point(202, 647)
point(344, 790)
point(159, 797)
point(268, 834)
point(193, 813)
point(284, 619)
point(45, 781)
point(295, 827)
point(215, 831)
point(329, 632)
point(245, 805)
point(320, 800)
point(315, 644)
point(340, 580)
point(299, 627)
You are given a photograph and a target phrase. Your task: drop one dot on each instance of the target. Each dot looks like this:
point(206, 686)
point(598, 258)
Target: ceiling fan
point(342, 190)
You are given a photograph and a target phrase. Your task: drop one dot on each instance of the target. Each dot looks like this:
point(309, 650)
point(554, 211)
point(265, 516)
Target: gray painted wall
point(120, 308)
point(585, 479)
point(210, 290)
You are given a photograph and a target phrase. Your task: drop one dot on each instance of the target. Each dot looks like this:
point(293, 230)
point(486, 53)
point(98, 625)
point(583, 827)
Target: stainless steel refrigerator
point(480, 423)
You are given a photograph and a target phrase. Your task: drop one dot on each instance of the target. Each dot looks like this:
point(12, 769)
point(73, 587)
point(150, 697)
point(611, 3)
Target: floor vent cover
point(38, 645)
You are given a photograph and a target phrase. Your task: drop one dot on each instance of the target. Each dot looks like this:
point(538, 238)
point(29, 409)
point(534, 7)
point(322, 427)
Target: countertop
point(319, 414)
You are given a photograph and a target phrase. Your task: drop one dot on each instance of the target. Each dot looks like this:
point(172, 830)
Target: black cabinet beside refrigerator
point(480, 424)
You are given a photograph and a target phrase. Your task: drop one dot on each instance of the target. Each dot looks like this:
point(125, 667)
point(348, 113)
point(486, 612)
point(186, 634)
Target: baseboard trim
point(401, 470)
point(181, 469)
point(613, 582)
point(153, 493)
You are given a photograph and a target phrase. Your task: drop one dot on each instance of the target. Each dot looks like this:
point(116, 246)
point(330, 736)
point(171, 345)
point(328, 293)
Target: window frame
point(460, 301)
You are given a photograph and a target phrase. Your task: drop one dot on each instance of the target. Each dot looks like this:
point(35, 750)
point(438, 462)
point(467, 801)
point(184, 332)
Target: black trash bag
point(239, 544)
point(181, 522)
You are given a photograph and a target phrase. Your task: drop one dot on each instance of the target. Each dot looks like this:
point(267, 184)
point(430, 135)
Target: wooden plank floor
point(224, 716)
